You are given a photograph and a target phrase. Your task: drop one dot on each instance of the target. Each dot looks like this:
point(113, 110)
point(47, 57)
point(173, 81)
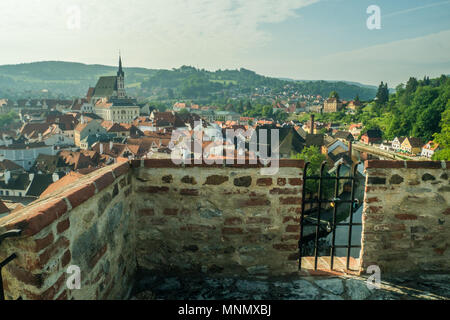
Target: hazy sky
point(300, 39)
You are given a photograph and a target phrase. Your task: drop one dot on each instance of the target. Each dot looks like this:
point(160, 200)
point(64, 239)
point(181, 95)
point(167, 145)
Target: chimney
point(312, 124)
point(55, 177)
point(350, 149)
point(101, 148)
point(7, 176)
point(110, 145)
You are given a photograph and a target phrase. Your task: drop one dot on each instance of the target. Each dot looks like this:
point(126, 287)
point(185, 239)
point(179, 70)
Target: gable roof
point(314, 140)
point(9, 165)
point(80, 160)
point(344, 135)
point(105, 86)
point(33, 129)
point(400, 139)
point(48, 163)
point(431, 145)
point(290, 140)
point(415, 142)
point(16, 182)
point(39, 183)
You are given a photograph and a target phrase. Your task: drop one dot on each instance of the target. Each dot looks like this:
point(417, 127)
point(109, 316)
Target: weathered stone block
point(243, 181)
point(216, 180)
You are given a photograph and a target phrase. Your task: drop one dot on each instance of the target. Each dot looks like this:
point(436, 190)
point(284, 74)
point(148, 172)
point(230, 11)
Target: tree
point(394, 129)
point(334, 94)
point(411, 85)
point(443, 138)
point(382, 94)
point(183, 111)
point(315, 158)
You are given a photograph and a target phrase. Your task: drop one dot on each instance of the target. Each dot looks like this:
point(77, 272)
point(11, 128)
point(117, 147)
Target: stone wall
point(153, 215)
point(91, 226)
point(406, 218)
point(217, 219)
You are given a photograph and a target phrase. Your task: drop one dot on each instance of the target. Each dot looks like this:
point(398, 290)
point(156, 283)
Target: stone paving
point(198, 287)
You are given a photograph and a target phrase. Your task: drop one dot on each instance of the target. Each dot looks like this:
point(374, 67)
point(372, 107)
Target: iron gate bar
point(336, 201)
point(302, 214)
point(355, 166)
point(336, 194)
point(316, 246)
point(10, 233)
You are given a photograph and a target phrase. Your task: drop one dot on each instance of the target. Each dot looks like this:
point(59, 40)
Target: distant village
point(58, 141)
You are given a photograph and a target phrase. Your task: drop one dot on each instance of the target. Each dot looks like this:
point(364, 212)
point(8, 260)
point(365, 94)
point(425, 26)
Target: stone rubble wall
point(90, 226)
point(406, 217)
point(218, 219)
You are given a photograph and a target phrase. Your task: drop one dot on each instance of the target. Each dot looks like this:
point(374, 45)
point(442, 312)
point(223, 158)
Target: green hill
point(68, 79)
point(63, 79)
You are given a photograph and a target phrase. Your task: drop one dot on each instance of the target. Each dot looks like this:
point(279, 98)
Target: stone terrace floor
point(198, 287)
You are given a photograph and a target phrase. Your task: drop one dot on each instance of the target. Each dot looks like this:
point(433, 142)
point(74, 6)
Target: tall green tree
point(382, 94)
point(443, 138)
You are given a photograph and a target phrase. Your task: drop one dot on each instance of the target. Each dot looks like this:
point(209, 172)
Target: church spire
point(120, 80)
point(120, 73)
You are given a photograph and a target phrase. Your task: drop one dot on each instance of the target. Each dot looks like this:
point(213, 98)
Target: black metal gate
point(8, 234)
point(318, 200)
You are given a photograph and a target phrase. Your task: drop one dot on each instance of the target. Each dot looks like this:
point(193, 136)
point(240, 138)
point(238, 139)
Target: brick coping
point(41, 213)
point(168, 163)
point(392, 164)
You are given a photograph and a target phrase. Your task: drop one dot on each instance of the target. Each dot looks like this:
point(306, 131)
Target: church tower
point(120, 81)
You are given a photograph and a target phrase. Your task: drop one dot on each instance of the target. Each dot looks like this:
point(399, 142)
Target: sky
point(297, 39)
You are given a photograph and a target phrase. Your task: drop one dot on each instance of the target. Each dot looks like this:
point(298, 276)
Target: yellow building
point(412, 145)
point(332, 105)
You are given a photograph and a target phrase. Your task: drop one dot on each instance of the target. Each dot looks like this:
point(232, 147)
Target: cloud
point(394, 62)
point(415, 9)
point(200, 30)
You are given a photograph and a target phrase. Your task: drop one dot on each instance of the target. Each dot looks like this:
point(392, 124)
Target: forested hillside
point(190, 83)
point(67, 79)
